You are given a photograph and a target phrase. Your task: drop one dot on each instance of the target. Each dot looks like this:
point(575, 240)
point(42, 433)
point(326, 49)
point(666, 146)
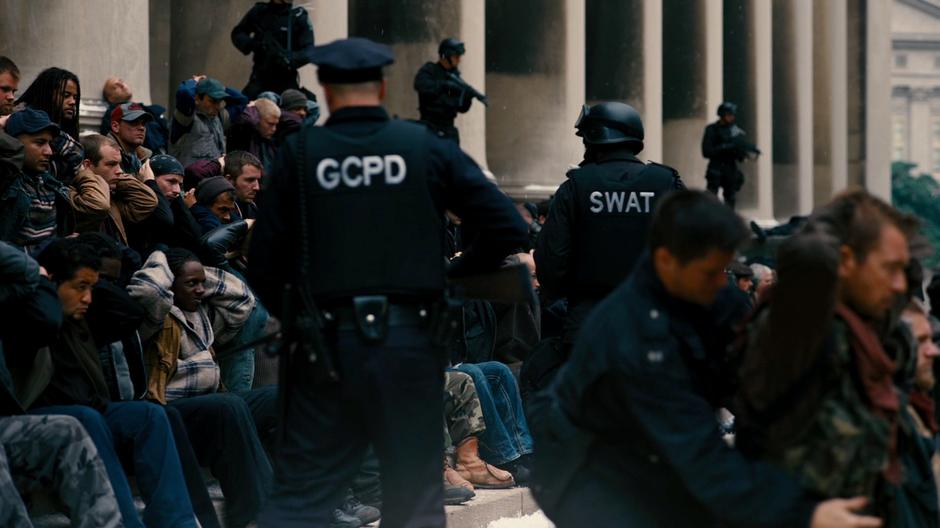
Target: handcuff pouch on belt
point(371, 316)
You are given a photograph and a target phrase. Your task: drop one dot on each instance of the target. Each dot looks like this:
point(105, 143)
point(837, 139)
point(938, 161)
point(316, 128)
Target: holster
point(446, 322)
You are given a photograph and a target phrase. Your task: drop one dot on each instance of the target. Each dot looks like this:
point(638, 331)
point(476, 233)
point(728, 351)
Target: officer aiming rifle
point(462, 84)
point(744, 149)
point(442, 93)
point(724, 146)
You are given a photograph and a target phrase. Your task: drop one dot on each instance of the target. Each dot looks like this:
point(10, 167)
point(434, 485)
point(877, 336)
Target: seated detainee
point(35, 205)
point(114, 319)
point(131, 200)
point(53, 453)
point(42, 453)
point(75, 385)
point(506, 443)
point(215, 202)
point(189, 308)
point(463, 416)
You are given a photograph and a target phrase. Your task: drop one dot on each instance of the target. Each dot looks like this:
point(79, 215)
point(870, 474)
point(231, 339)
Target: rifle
point(275, 54)
point(469, 89)
point(742, 147)
point(282, 58)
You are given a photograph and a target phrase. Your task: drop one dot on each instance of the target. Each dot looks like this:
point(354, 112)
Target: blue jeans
point(141, 430)
point(507, 436)
point(238, 368)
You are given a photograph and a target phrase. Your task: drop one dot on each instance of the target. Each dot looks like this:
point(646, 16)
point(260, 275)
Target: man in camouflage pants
point(463, 417)
point(53, 452)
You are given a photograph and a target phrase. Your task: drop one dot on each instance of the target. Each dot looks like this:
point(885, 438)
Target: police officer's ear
point(383, 89)
point(665, 263)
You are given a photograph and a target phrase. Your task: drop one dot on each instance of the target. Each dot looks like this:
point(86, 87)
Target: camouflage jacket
point(836, 447)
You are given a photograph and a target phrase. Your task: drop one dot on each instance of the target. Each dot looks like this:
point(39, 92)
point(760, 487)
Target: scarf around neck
point(875, 370)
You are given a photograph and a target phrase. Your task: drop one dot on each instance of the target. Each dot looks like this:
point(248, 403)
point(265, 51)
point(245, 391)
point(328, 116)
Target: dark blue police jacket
point(631, 410)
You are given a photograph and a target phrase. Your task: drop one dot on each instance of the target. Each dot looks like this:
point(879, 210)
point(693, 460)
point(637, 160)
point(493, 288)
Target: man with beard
point(57, 92)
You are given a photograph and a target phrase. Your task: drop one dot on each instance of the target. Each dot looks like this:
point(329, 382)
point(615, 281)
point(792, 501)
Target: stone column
point(653, 78)
point(330, 20)
point(830, 170)
point(920, 130)
point(201, 43)
point(747, 82)
point(624, 61)
point(763, 46)
point(878, 98)
point(414, 30)
point(793, 107)
point(692, 82)
point(93, 39)
point(535, 79)
point(855, 92)
point(472, 32)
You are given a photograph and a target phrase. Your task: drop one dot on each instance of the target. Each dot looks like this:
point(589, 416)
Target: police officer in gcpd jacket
point(597, 224)
point(353, 219)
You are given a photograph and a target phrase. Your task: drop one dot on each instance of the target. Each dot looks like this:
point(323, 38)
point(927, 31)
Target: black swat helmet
point(727, 107)
point(450, 47)
point(609, 123)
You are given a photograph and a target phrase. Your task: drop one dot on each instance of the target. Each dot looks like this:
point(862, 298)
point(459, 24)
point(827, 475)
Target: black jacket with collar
point(634, 401)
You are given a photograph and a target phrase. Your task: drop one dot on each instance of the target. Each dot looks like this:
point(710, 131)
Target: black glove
point(221, 240)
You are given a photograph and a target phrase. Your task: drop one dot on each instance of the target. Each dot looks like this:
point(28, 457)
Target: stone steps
point(486, 507)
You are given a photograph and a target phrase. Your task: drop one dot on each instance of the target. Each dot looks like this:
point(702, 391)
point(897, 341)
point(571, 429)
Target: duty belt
point(372, 316)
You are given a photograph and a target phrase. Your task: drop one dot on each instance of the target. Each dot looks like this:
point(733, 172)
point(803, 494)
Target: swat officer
point(353, 218)
point(440, 98)
point(599, 217)
point(628, 432)
point(724, 146)
point(280, 37)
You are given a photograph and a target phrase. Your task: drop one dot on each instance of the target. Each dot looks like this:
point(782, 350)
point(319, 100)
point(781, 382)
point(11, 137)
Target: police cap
point(451, 46)
point(351, 60)
point(609, 123)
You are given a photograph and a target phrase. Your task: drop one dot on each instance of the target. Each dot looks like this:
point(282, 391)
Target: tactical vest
point(374, 227)
point(612, 213)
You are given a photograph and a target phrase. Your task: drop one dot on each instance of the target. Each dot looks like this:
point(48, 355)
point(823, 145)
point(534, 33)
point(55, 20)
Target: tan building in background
point(915, 84)
point(810, 77)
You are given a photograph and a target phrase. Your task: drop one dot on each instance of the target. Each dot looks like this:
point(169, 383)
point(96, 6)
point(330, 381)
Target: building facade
point(810, 77)
point(915, 84)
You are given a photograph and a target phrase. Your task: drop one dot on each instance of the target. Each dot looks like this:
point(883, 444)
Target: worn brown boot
point(482, 475)
point(453, 478)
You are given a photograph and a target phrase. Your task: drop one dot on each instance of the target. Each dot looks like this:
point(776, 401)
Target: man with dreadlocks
point(57, 93)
